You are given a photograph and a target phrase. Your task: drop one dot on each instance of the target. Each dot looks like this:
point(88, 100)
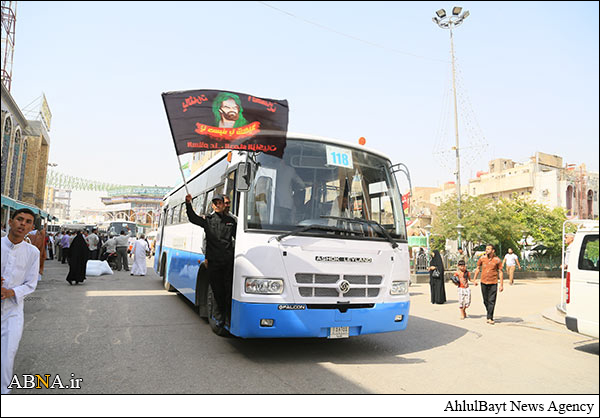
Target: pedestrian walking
point(50, 247)
point(461, 279)
point(58, 245)
point(79, 254)
point(220, 231)
point(140, 250)
point(20, 270)
point(511, 260)
point(65, 243)
point(436, 279)
point(92, 241)
point(490, 267)
point(122, 245)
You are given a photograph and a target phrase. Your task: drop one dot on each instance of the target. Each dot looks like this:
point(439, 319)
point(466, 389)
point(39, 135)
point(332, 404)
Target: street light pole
point(455, 123)
point(448, 22)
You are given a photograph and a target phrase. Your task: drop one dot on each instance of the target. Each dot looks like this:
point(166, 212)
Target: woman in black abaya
point(436, 279)
point(79, 254)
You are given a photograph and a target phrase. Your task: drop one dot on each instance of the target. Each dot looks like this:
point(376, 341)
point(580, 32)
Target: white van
point(582, 281)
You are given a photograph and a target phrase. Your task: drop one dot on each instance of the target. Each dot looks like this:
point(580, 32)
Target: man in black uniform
point(219, 228)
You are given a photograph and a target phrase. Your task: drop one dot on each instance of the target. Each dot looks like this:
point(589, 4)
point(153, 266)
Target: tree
point(543, 224)
point(501, 222)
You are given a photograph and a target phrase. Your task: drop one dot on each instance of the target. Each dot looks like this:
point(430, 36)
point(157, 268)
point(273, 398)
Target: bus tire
point(201, 292)
point(163, 273)
point(214, 315)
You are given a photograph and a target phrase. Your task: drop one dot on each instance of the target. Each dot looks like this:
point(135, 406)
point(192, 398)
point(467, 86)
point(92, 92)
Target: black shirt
point(220, 231)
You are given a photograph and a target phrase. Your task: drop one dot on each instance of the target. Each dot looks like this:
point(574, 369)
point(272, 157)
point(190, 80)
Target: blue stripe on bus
point(182, 270)
point(245, 320)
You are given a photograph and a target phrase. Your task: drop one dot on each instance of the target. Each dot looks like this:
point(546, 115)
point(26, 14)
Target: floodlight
point(441, 13)
point(456, 11)
point(465, 14)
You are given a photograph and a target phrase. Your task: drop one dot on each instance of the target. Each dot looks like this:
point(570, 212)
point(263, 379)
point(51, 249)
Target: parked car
point(582, 282)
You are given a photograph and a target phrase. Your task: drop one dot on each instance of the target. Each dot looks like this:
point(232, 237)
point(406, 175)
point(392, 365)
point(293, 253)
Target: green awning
point(17, 204)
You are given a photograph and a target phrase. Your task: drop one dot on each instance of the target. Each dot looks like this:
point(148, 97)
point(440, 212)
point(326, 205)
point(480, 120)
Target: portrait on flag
point(206, 120)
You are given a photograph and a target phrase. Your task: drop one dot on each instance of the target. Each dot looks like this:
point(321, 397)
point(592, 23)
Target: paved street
point(126, 335)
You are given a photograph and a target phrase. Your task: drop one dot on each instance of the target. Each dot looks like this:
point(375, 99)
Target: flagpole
point(182, 175)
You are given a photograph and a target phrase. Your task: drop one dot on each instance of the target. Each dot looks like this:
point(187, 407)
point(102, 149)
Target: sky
point(527, 79)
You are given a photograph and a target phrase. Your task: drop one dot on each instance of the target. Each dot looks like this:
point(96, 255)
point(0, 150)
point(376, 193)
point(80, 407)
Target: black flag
point(206, 120)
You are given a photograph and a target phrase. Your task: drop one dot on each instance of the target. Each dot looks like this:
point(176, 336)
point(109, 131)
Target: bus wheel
point(215, 318)
point(163, 270)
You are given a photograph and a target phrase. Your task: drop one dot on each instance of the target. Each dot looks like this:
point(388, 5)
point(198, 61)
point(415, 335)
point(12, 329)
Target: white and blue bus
point(320, 249)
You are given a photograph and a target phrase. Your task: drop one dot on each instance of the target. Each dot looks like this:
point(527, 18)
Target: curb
point(553, 314)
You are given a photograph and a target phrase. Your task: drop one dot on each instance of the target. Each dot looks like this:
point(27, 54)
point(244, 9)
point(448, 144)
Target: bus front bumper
point(293, 320)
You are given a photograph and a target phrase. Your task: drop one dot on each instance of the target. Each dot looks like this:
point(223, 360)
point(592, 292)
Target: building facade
point(139, 204)
point(544, 179)
point(24, 156)
point(58, 202)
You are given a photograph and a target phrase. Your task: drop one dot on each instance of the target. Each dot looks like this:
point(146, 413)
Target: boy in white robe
point(20, 270)
point(139, 250)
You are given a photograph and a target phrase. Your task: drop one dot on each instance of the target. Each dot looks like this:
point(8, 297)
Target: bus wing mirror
point(244, 177)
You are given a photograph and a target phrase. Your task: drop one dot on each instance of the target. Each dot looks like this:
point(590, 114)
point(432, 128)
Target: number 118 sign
point(339, 157)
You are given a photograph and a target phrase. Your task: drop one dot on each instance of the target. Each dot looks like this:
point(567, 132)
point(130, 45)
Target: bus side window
point(230, 191)
point(219, 189)
point(170, 217)
point(198, 204)
point(207, 206)
point(176, 214)
point(183, 214)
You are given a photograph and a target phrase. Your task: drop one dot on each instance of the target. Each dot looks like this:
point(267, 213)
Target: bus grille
point(361, 286)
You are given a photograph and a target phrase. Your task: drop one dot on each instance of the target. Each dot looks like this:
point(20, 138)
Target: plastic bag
point(97, 268)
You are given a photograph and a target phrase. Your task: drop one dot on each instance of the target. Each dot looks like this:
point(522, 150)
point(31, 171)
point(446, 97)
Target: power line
point(373, 44)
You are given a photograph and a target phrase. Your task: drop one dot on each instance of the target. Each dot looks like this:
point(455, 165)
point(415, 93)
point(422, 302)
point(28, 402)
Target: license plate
point(339, 332)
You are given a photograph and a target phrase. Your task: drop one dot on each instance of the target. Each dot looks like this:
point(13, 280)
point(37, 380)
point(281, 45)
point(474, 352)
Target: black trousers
point(489, 292)
point(65, 255)
point(220, 277)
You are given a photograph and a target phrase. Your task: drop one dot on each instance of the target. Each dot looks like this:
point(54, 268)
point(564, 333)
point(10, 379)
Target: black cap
point(461, 262)
point(218, 197)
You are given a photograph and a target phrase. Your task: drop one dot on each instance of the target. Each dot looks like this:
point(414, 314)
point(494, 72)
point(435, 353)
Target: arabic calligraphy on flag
point(205, 120)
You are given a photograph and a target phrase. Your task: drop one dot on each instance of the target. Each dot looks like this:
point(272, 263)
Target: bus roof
point(290, 135)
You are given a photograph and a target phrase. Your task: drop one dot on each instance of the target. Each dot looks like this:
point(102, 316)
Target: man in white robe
point(20, 270)
point(139, 250)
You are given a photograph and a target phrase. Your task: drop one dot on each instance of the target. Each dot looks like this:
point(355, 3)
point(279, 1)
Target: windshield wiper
point(385, 234)
point(313, 226)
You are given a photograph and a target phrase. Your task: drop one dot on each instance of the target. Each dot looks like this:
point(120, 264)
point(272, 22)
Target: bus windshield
point(343, 190)
point(115, 228)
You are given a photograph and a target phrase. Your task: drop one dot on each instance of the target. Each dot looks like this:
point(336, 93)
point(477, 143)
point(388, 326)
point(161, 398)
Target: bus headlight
point(263, 286)
point(399, 288)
